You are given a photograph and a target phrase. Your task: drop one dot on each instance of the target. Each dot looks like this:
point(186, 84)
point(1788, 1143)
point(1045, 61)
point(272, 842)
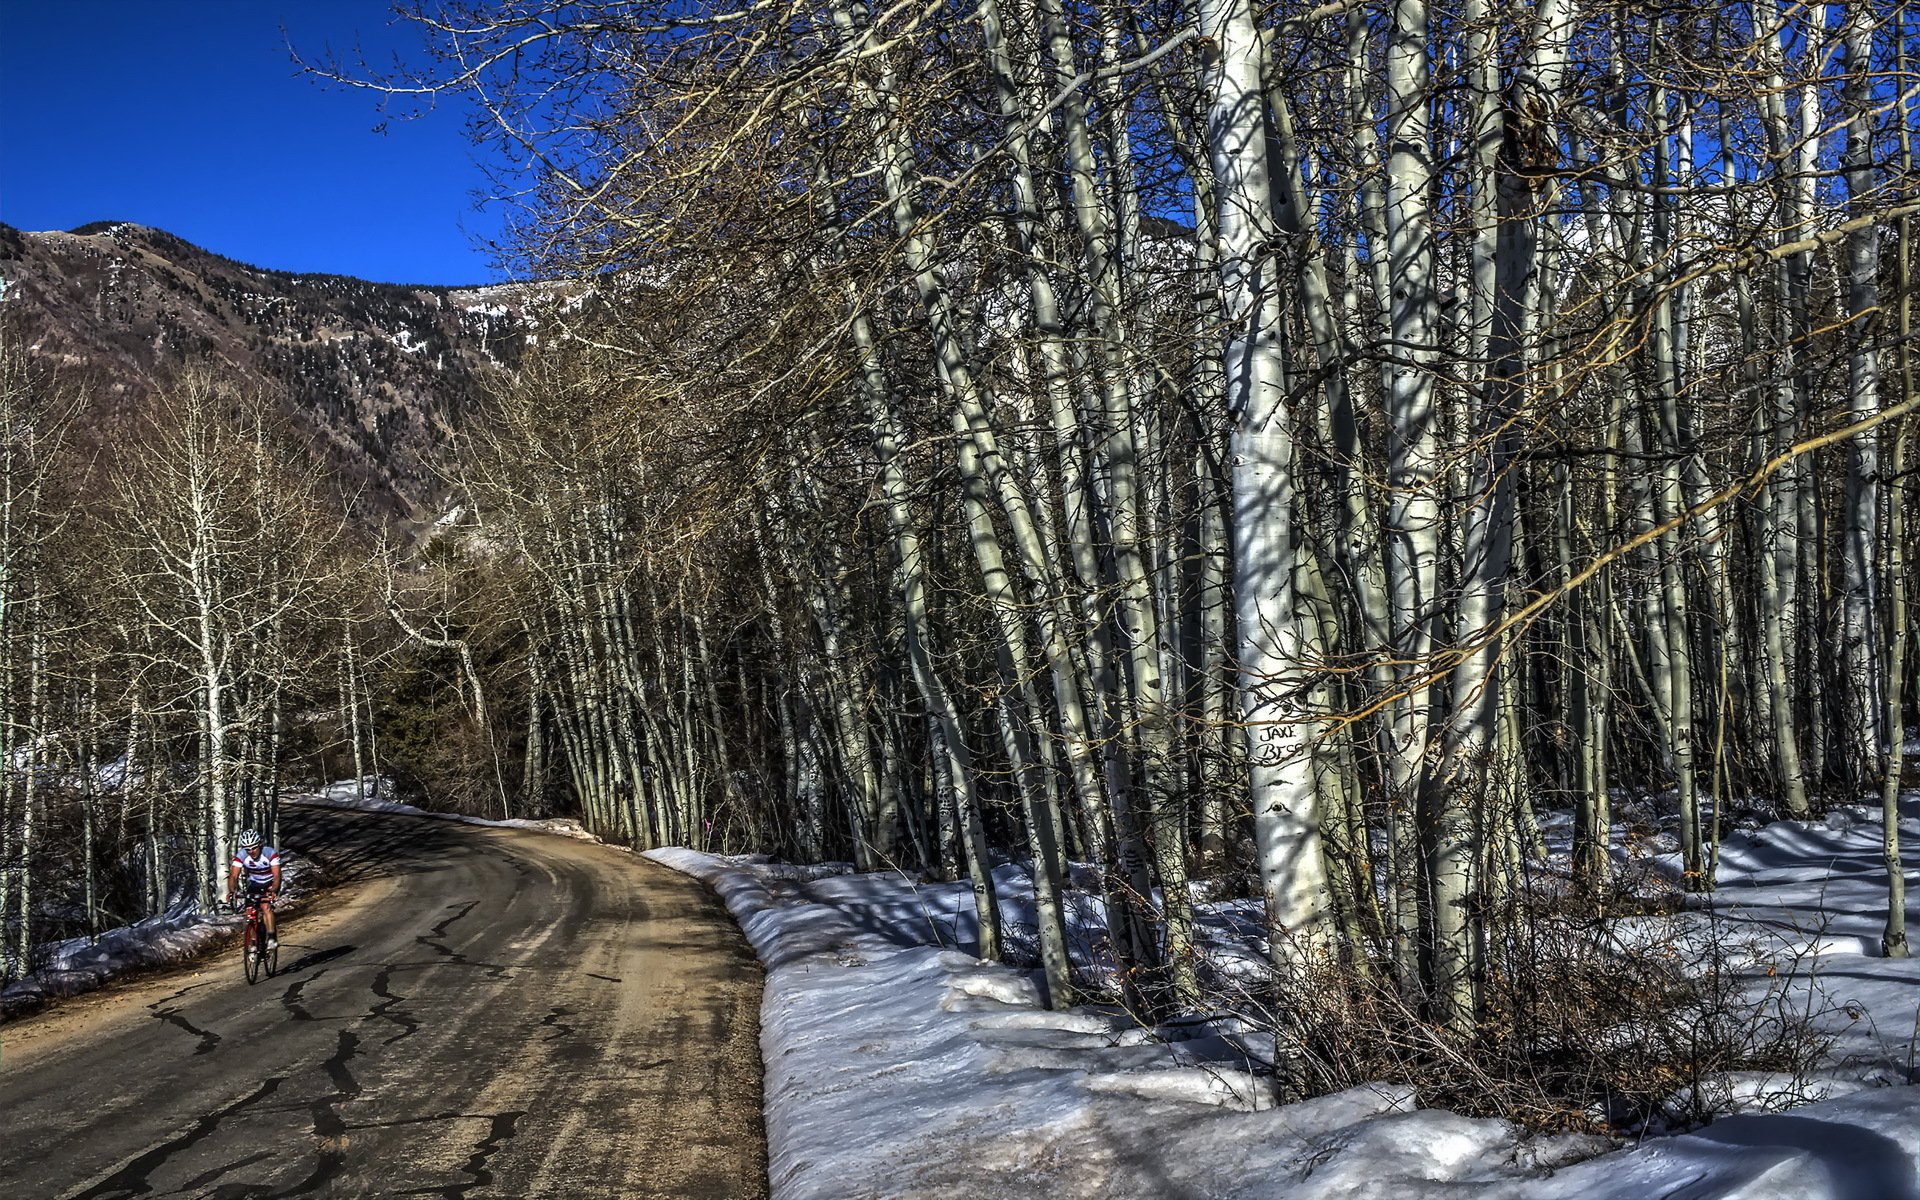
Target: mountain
point(374, 375)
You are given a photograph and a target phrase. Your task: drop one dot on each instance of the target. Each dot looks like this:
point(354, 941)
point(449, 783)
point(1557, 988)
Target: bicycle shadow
point(314, 958)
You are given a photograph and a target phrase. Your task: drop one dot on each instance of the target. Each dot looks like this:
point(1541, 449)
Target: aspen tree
point(1280, 758)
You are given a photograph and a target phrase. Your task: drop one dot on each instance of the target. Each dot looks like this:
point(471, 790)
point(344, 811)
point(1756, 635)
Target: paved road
point(476, 1012)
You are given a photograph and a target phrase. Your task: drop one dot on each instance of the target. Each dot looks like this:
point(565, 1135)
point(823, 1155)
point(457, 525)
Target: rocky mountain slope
point(374, 375)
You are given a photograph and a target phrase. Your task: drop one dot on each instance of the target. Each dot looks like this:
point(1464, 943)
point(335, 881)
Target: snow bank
point(896, 1068)
point(899, 1066)
point(78, 965)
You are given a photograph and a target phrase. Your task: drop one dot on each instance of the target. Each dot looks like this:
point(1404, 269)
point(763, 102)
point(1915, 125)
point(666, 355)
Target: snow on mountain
point(375, 374)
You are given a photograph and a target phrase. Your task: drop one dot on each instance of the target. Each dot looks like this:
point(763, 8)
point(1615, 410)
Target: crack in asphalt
point(519, 866)
point(389, 1000)
point(132, 1179)
point(208, 1038)
point(560, 1028)
point(328, 1127)
point(437, 943)
point(440, 928)
point(499, 1131)
point(290, 999)
point(242, 1138)
point(501, 1128)
point(326, 1122)
point(206, 1177)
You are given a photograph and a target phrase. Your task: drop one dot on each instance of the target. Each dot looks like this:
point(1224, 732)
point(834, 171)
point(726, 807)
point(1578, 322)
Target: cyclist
point(259, 864)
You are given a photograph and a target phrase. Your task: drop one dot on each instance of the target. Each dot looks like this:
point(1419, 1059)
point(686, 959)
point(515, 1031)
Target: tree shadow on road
point(352, 847)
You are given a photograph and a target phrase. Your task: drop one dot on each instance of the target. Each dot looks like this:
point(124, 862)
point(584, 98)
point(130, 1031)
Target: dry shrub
point(1586, 1023)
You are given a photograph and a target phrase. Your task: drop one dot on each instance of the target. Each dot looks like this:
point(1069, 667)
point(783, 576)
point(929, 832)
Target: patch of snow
point(1859, 1147)
point(1759, 1091)
point(1242, 1091)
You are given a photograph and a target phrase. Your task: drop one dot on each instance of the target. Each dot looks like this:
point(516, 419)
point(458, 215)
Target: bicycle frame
point(253, 939)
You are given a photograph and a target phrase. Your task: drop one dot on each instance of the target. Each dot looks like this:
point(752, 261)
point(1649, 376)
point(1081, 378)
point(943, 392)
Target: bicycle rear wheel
point(250, 950)
point(271, 956)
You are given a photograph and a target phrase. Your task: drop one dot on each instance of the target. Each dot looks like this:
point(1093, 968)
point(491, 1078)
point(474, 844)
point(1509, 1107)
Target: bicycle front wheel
point(250, 951)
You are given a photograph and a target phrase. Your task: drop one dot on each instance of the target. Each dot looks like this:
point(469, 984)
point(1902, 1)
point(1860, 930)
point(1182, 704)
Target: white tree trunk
point(1286, 812)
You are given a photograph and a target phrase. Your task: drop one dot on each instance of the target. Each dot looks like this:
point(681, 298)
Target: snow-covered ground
point(900, 1066)
point(1811, 896)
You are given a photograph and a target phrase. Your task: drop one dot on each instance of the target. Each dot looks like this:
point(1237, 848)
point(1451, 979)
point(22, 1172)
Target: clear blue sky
point(189, 115)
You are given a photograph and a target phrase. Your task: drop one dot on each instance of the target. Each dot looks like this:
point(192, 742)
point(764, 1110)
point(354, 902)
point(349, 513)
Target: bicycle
point(256, 955)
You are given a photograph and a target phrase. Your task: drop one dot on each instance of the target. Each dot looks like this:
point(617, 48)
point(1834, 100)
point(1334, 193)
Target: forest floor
point(473, 1009)
point(899, 1066)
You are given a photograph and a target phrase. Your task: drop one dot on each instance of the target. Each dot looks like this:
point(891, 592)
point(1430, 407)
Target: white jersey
point(258, 869)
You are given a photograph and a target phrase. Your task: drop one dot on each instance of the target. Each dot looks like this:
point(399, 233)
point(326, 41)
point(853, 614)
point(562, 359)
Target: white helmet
point(250, 840)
